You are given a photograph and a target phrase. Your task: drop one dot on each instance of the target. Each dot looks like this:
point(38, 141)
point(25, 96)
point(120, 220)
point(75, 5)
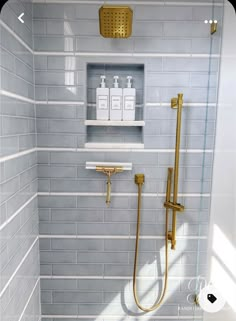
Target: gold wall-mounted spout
point(176, 103)
point(109, 171)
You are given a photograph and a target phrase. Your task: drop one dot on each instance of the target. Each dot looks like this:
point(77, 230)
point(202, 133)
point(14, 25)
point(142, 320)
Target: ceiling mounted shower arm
point(176, 103)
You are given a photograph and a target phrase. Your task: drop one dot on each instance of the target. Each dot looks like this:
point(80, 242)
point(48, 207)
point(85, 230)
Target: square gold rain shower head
point(115, 21)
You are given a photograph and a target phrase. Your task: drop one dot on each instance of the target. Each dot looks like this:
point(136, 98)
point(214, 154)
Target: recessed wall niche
point(114, 133)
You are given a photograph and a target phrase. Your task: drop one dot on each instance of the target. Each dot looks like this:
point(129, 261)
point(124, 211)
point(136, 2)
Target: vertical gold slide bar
point(176, 168)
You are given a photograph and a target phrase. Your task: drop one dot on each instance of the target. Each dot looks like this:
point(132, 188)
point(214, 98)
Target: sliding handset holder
point(176, 103)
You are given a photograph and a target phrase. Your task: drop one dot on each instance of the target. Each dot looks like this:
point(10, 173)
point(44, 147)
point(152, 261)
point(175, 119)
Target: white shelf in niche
point(121, 123)
point(114, 145)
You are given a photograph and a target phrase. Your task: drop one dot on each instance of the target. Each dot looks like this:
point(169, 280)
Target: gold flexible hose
point(158, 302)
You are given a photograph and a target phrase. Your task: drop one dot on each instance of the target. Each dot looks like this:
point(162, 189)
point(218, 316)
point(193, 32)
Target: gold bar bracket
point(214, 26)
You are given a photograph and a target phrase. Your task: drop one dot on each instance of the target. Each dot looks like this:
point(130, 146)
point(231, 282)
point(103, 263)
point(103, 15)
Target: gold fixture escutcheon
point(213, 27)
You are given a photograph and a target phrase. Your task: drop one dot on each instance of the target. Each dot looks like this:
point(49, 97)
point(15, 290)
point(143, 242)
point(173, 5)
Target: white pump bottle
point(102, 101)
point(129, 101)
point(116, 101)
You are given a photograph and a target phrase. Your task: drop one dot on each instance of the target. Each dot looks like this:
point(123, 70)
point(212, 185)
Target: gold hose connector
point(139, 180)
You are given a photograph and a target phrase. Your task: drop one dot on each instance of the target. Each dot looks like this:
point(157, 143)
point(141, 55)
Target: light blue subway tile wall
point(84, 245)
point(19, 244)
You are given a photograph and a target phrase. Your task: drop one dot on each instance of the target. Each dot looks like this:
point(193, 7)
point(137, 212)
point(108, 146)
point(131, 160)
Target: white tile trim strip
point(19, 97)
point(17, 212)
point(82, 103)
point(118, 237)
point(184, 104)
point(89, 150)
point(182, 3)
point(19, 266)
point(55, 149)
point(28, 301)
point(54, 102)
point(53, 53)
point(94, 194)
point(94, 277)
point(98, 317)
point(16, 36)
point(127, 54)
point(118, 194)
point(16, 155)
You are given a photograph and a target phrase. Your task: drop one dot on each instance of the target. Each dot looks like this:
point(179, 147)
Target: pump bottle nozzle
point(129, 84)
point(116, 84)
point(103, 85)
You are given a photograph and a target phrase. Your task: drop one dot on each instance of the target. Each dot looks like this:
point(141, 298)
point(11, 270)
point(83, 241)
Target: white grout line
point(93, 194)
point(88, 150)
point(98, 317)
point(188, 195)
point(55, 102)
point(119, 194)
point(184, 104)
point(28, 301)
point(17, 212)
point(16, 155)
point(19, 266)
point(16, 36)
point(114, 237)
point(132, 2)
point(128, 54)
point(182, 3)
point(52, 149)
point(82, 103)
point(53, 53)
point(94, 277)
